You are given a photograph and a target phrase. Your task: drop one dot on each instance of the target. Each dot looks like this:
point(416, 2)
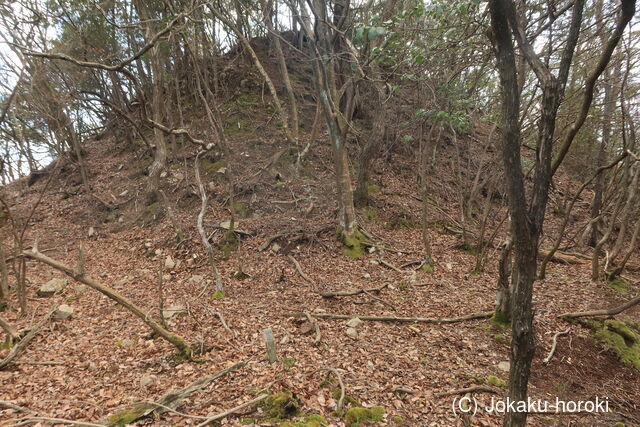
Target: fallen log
point(437, 321)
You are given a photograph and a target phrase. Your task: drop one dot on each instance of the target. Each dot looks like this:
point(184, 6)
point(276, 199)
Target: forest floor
point(109, 361)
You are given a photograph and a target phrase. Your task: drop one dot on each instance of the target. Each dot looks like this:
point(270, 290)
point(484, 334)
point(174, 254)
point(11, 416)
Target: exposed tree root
point(438, 321)
point(315, 327)
point(610, 312)
point(555, 344)
point(299, 268)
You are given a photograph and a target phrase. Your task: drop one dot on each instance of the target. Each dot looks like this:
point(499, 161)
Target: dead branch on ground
point(232, 410)
point(437, 321)
point(299, 268)
point(171, 337)
point(22, 344)
point(350, 293)
point(173, 398)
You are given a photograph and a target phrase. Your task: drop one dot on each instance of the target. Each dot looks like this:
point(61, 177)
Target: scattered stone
point(371, 249)
point(355, 322)
point(125, 343)
point(121, 219)
point(169, 262)
point(91, 232)
point(370, 364)
point(276, 247)
point(222, 170)
point(449, 266)
point(173, 310)
point(196, 278)
point(80, 288)
point(52, 287)
point(158, 252)
point(178, 176)
point(366, 276)
point(352, 333)
point(285, 340)
point(146, 381)
point(148, 244)
point(104, 274)
point(166, 277)
point(63, 312)
point(504, 366)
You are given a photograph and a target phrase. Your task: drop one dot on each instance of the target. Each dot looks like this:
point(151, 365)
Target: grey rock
point(196, 278)
point(52, 287)
point(146, 381)
point(355, 322)
point(169, 262)
point(352, 333)
point(366, 276)
point(504, 366)
point(63, 312)
point(173, 310)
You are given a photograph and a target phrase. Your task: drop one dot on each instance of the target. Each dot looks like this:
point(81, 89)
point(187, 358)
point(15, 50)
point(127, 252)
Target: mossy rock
point(427, 267)
point(280, 406)
point(623, 337)
point(354, 245)
point(496, 381)
point(355, 417)
point(620, 285)
point(218, 295)
point(211, 168)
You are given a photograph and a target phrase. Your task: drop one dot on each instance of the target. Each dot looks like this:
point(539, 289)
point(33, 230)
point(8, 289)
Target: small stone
point(371, 249)
point(125, 343)
point(146, 381)
point(166, 277)
point(163, 174)
point(158, 252)
point(352, 333)
point(103, 274)
point(276, 247)
point(366, 276)
point(63, 312)
point(196, 278)
point(91, 232)
point(52, 287)
point(504, 366)
point(449, 266)
point(148, 244)
point(222, 170)
point(173, 310)
point(179, 176)
point(169, 262)
point(355, 322)
point(370, 364)
point(285, 340)
point(121, 219)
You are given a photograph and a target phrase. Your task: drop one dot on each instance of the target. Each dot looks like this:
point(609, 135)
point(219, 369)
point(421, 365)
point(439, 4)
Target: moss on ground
point(500, 319)
point(620, 285)
point(623, 337)
point(129, 415)
point(496, 381)
point(354, 245)
point(211, 168)
point(355, 417)
point(280, 407)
